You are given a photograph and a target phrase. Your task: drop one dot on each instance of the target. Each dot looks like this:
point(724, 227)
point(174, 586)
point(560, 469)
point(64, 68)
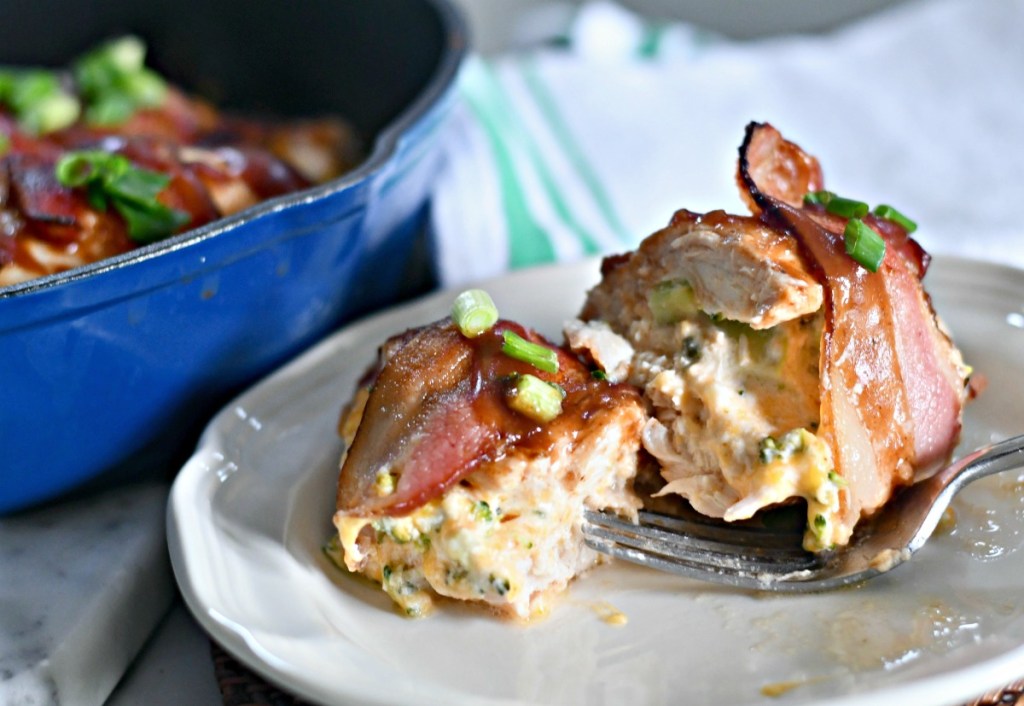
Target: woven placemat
point(239, 686)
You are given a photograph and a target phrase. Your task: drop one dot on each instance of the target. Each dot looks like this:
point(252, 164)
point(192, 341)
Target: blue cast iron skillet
point(109, 371)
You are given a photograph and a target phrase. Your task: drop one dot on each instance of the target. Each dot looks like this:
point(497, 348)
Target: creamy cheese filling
point(508, 536)
point(463, 547)
point(735, 412)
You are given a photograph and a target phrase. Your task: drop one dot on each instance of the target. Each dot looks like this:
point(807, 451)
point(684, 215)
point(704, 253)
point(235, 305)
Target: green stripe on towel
point(528, 242)
point(577, 157)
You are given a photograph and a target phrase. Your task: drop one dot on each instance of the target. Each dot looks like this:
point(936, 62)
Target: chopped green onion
point(846, 208)
point(38, 100)
point(535, 398)
point(782, 449)
point(850, 208)
point(501, 585)
point(30, 87)
point(139, 186)
point(151, 222)
point(837, 479)
point(102, 69)
point(132, 191)
point(540, 357)
point(891, 214)
point(474, 312)
point(599, 374)
point(147, 87)
point(110, 110)
point(482, 511)
point(818, 197)
point(818, 526)
point(112, 81)
point(864, 245)
point(54, 112)
point(125, 54)
point(115, 83)
point(80, 168)
point(7, 81)
point(837, 205)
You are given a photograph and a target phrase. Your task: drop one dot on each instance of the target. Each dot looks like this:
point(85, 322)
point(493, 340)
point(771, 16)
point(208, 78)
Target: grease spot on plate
point(609, 614)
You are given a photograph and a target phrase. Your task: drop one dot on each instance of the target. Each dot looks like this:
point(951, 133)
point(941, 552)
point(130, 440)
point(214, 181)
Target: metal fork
point(770, 559)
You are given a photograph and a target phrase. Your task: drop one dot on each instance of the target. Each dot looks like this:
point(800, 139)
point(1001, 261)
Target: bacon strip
point(217, 164)
point(892, 384)
point(437, 411)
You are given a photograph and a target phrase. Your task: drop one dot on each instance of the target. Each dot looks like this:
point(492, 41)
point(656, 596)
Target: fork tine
point(730, 534)
point(735, 578)
point(699, 550)
point(685, 534)
point(700, 553)
point(763, 558)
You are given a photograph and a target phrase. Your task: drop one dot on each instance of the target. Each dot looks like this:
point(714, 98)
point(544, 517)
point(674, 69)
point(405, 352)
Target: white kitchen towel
point(587, 146)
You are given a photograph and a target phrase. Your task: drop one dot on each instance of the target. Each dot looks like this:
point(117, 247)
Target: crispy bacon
point(892, 384)
point(437, 411)
point(218, 165)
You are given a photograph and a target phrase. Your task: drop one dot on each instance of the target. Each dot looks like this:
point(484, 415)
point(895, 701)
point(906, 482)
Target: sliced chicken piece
point(737, 268)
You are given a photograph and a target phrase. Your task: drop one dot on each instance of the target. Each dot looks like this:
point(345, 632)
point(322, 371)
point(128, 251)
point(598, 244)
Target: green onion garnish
point(837, 205)
point(115, 83)
point(891, 214)
point(864, 245)
point(150, 222)
point(110, 110)
point(846, 208)
point(38, 100)
point(30, 87)
point(80, 168)
point(538, 400)
point(7, 80)
point(837, 479)
point(112, 82)
point(540, 357)
point(132, 191)
point(818, 197)
point(55, 111)
point(783, 448)
point(474, 312)
point(482, 511)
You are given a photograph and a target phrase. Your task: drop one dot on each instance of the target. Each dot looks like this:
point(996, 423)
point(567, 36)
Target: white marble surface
point(174, 668)
point(82, 586)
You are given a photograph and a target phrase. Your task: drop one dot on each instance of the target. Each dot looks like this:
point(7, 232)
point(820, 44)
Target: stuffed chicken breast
point(782, 357)
point(470, 461)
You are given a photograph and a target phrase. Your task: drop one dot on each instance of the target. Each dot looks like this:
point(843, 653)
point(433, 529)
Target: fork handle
point(995, 458)
point(932, 496)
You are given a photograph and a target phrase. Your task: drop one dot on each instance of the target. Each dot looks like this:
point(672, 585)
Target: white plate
point(250, 511)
